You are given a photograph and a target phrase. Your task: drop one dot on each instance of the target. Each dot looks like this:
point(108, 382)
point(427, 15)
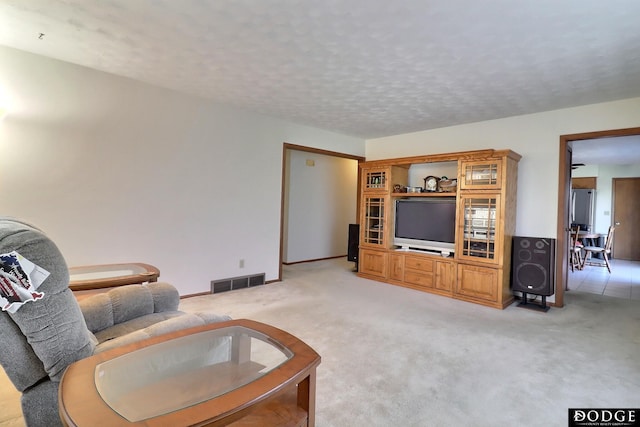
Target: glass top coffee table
point(238, 372)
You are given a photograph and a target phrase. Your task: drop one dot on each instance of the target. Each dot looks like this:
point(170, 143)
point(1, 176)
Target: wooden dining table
point(591, 236)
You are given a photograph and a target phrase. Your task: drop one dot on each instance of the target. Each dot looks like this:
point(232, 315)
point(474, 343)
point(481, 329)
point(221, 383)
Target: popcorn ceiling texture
point(367, 68)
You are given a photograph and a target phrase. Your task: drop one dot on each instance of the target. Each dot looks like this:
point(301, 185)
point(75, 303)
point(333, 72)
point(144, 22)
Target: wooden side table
point(91, 279)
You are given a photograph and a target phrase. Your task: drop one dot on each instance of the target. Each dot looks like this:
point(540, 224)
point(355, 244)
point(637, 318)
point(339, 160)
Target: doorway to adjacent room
point(567, 145)
point(318, 193)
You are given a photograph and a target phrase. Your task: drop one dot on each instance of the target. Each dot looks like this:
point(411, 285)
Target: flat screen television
point(426, 224)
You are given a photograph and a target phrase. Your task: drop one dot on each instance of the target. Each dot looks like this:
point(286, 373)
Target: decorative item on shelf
point(447, 185)
point(414, 189)
point(399, 188)
point(431, 183)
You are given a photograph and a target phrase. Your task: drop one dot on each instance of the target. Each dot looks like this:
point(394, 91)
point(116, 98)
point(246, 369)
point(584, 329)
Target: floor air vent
point(232, 283)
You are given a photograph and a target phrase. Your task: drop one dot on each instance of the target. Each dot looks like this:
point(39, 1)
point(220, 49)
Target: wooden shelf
point(429, 194)
point(280, 411)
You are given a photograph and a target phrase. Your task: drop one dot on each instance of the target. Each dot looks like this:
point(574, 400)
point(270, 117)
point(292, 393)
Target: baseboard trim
point(314, 260)
point(195, 295)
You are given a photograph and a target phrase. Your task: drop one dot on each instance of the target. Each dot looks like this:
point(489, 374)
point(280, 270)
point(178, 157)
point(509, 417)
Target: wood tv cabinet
point(479, 269)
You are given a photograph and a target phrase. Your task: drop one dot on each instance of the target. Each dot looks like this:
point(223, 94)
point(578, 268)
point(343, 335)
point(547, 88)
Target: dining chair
point(575, 249)
point(605, 251)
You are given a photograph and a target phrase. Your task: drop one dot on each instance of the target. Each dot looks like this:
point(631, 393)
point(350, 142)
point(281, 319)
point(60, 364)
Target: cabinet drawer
point(419, 278)
point(416, 263)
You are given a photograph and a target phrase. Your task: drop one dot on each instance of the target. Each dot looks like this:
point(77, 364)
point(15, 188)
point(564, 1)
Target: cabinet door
point(479, 232)
point(374, 221)
point(477, 282)
point(376, 179)
point(396, 267)
point(481, 175)
point(373, 263)
point(445, 276)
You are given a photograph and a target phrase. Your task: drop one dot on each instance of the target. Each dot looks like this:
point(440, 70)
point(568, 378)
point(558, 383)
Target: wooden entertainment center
point(479, 269)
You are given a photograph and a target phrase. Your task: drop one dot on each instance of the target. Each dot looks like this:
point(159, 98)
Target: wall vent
point(223, 285)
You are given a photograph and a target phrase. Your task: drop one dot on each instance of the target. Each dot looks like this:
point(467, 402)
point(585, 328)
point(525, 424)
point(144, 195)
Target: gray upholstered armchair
point(39, 338)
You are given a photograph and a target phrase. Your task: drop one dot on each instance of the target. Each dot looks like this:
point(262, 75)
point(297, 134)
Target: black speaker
point(352, 248)
point(533, 265)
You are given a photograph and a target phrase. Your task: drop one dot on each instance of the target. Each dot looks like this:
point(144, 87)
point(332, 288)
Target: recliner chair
point(40, 339)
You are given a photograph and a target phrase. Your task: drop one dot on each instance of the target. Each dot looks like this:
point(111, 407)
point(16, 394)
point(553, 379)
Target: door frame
point(286, 147)
point(562, 229)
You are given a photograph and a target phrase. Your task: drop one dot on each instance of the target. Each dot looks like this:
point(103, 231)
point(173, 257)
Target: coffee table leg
point(307, 397)
point(241, 348)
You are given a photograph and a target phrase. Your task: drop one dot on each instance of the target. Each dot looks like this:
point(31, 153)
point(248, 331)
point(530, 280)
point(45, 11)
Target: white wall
point(534, 136)
point(115, 170)
point(604, 189)
point(322, 203)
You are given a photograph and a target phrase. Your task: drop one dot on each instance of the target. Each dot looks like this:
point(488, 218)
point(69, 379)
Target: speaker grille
point(533, 265)
point(352, 244)
point(532, 276)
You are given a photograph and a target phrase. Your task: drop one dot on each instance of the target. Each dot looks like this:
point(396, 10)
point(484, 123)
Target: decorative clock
point(431, 183)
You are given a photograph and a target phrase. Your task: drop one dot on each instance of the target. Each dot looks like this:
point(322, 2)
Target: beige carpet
point(396, 357)
point(10, 413)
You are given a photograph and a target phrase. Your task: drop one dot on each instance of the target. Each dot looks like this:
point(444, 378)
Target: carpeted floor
point(396, 357)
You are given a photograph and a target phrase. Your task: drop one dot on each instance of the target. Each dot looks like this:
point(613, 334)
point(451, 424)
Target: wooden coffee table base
point(284, 396)
point(282, 410)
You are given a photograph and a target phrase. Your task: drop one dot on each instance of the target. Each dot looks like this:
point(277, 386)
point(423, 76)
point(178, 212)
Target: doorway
point(565, 161)
point(292, 150)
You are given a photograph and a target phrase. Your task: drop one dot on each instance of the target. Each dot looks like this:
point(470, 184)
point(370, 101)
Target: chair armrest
point(128, 302)
point(165, 296)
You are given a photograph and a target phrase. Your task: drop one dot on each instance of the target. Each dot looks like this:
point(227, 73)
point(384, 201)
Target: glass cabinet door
point(481, 175)
point(375, 179)
point(478, 238)
point(373, 224)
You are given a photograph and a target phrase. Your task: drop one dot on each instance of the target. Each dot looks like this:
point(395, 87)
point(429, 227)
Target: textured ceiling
point(367, 68)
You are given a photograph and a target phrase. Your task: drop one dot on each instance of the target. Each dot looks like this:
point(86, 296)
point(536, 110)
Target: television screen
point(432, 220)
